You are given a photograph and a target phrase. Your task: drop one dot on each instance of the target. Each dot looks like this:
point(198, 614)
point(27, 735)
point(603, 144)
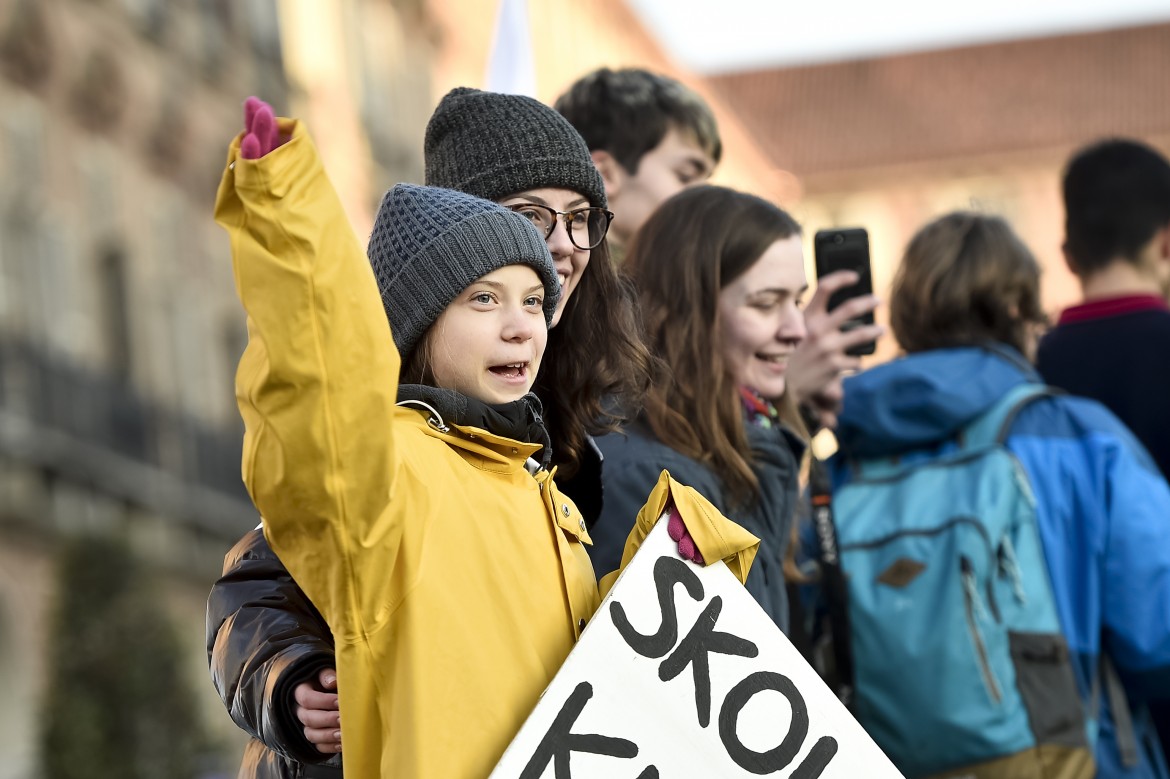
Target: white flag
point(510, 67)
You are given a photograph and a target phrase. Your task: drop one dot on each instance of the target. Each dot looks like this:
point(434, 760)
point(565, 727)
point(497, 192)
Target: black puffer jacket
point(263, 639)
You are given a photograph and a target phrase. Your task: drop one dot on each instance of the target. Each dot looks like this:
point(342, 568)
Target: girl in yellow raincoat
point(417, 516)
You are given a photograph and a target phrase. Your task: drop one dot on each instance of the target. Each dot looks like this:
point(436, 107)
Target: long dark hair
point(596, 363)
point(688, 250)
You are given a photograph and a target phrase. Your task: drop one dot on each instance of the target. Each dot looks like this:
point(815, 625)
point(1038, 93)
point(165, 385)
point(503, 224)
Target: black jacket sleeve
point(264, 638)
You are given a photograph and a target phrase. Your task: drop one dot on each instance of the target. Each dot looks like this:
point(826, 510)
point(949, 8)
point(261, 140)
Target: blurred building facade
point(890, 143)
point(119, 328)
point(361, 76)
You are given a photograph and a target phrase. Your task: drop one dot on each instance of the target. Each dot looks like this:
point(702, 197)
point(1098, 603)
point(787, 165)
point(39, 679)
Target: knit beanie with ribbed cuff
point(430, 244)
point(494, 145)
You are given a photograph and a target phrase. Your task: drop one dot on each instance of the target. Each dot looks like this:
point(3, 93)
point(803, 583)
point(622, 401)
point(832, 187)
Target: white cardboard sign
point(680, 673)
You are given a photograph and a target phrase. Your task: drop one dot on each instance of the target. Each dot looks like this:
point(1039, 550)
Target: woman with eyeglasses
point(720, 277)
point(524, 155)
point(271, 654)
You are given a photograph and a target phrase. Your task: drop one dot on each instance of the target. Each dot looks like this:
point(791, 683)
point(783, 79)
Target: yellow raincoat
point(454, 581)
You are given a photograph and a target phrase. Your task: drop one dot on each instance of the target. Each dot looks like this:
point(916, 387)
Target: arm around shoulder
point(263, 639)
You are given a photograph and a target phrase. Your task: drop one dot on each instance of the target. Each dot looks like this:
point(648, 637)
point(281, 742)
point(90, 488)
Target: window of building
point(115, 312)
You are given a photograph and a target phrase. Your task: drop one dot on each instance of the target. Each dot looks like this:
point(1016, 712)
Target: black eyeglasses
point(586, 226)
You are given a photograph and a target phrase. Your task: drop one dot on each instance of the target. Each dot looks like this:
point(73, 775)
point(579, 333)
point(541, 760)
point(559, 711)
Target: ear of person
point(612, 173)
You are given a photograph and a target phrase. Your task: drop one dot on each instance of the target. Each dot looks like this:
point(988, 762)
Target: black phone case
point(847, 249)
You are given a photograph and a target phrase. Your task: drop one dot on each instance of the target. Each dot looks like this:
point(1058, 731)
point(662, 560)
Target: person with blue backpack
point(1005, 547)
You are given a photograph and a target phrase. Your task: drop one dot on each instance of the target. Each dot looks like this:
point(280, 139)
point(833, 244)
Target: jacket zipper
point(974, 608)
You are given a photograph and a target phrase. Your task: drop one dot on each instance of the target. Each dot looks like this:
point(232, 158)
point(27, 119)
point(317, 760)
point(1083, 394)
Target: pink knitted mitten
point(678, 532)
point(261, 134)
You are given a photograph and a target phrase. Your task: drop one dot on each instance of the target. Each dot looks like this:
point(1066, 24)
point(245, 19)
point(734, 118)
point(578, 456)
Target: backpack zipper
point(1009, 565)
point(974, 608)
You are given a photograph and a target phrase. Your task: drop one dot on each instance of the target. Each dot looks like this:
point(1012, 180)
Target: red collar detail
point(1106, 307)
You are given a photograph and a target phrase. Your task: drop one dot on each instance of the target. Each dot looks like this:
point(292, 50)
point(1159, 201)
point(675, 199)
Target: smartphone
point(847, 249)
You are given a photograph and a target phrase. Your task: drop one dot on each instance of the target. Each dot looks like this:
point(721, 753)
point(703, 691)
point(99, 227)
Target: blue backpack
point(959, 664)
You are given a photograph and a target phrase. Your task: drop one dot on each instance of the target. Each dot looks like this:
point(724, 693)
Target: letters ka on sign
point(681, 674)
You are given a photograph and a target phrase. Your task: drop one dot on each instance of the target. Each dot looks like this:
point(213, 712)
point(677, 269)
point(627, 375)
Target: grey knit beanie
point(494, 145)
point(430, 244)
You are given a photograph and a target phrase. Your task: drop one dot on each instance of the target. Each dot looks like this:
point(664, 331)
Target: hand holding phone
point(847, 249)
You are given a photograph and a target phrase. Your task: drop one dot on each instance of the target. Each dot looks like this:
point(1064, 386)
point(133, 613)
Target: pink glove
point(261, 135)
point(678, 532)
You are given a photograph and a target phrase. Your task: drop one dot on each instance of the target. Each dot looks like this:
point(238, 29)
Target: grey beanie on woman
point(494, 145)
point(430, 244)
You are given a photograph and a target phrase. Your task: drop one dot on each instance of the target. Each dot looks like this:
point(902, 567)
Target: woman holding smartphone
point(720, 278)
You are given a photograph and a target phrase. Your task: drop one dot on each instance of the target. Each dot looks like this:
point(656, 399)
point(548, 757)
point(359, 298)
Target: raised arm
point(317, 383)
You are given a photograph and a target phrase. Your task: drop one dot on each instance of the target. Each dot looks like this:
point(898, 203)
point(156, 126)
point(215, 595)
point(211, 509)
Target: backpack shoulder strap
point(992, 426)
point(833, 583)
point(1108, 677)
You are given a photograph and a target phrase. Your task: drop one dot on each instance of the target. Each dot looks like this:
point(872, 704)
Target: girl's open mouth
point(515, 371)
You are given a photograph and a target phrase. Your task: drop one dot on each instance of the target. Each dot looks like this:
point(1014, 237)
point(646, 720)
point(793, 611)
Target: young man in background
point(650, 137)
point(1114, 346)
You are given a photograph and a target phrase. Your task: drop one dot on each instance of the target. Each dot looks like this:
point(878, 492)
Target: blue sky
point(746, 34)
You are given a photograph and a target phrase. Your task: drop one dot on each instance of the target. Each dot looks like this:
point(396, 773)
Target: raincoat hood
point(924, 398)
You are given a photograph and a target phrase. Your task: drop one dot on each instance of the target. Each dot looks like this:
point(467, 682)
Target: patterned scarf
point(760, 411)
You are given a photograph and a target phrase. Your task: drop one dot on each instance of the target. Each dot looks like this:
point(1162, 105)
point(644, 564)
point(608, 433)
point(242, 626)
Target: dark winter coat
point(263, 639)
point(635, 457)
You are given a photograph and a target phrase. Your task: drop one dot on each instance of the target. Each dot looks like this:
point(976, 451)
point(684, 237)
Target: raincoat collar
point(521, 420)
